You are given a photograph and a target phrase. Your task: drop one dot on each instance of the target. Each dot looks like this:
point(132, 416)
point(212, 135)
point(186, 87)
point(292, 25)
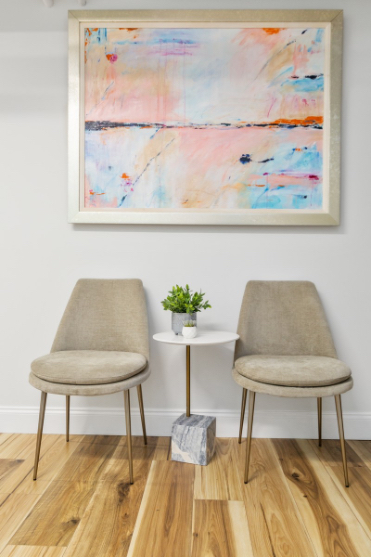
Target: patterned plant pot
point(189, 332)
point(177, 320)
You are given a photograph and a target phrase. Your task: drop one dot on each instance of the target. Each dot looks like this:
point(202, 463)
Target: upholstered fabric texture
point(292, 392)
point(283, 318)
point(88, 390)
point(101, 346)
point(295, 371)
point(105, 314)
point(88, 367)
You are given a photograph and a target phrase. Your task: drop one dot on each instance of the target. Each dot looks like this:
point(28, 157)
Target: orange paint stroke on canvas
point(308, 121)
point(95, 29)
point(271, 30)
point(111, 57)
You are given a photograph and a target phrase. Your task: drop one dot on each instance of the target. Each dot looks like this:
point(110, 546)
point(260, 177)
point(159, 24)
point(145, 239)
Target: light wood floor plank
point(108, 523)
point(323, 521)
point(351, 521)
point(8, 467)
point(276, 530)
point(358, 495)
point(13, 510)
point(163, 448)
point(295, 504)
point(32, 551)
point(331, 451)
point(220, 478)
point(162, 443)
point(52, 461)
point(96, 439)
point(4, 437)
point(7, 551)
point(56, 515)
point(20, 487)
point(363, 449)
point(20, 480)
point(117, 469)
point(18, 446)
point(240, 529)
point(55, 552)
point(87, 463)
point(164, 523)
point(220, 529)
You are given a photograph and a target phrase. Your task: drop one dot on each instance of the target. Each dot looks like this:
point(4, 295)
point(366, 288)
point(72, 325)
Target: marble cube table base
point(193, 439)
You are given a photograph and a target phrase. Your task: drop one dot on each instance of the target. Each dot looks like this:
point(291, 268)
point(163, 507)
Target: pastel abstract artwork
point(204, 118)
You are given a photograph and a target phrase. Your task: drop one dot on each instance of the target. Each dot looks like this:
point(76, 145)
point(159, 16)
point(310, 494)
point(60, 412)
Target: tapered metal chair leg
point(39, 433)
point(243, 408)
point(249, 433)
point(319, 409)
point(339, 413)
point(67, 418)
point(128, 433)
point(141, 407)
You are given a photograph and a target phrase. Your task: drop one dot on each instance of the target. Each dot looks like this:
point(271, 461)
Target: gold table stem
point(188, 380)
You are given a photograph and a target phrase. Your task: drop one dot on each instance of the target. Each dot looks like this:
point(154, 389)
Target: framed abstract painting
point(215, 117)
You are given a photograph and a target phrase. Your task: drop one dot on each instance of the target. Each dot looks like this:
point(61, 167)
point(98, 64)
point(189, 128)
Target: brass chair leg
point(39, 433)
point(67, 418)
point(141, 407)
point(339, 413)
point(249, 432)
point(243, 408)
point(319, 410)
point(128, 432)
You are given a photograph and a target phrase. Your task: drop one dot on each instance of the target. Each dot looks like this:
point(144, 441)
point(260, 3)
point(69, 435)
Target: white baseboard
point(111, 421)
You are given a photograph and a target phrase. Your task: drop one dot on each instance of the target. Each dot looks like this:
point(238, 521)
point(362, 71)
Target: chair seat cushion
point(88, 367)
point(293, 371)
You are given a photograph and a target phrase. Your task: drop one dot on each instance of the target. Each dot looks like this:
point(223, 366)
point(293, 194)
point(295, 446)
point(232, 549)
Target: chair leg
point(339, 413)
point(141, 407)
point(39, 432)
point(243, 408)
point(319, 410)
point(67, 418)
point(249, 432)
point(128, 432)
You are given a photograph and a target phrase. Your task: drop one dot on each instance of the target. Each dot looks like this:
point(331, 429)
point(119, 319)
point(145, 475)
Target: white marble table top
point(203, 338)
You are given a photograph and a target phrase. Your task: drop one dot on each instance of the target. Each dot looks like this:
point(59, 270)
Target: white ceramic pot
point(177, 320)
point(189, 332)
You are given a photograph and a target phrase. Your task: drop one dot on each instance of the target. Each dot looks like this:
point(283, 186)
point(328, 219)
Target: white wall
point(42, 255)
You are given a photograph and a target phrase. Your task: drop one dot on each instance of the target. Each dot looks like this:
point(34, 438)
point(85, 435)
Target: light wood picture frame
point(205, 117)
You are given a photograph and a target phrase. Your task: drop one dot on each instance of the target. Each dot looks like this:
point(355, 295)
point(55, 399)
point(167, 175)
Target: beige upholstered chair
point(286, 349)
point(101, 347)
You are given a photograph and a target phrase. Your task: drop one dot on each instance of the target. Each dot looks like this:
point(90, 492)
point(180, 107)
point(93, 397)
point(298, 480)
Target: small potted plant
point(189, 329)
point(184, 305)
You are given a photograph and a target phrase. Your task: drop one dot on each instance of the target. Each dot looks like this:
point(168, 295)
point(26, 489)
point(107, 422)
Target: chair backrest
point(283, 318)
point(105, 315)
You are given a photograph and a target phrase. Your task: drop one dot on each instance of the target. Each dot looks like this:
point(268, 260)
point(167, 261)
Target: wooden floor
point(82, 505)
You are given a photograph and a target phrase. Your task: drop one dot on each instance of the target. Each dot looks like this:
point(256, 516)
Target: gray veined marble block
point(193, 439)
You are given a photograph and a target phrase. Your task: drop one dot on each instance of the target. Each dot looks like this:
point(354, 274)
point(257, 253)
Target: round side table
point(203, 338)
point(193, 436)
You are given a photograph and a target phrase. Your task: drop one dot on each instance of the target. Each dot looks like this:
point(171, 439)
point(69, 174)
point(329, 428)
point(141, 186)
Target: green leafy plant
point(182, 300)
point(189, 323)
